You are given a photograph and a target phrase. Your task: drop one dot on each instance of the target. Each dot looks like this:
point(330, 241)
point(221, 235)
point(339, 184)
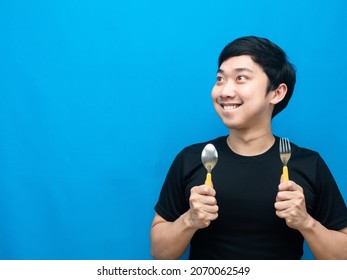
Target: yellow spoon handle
point(208, 180)
point(285, 177)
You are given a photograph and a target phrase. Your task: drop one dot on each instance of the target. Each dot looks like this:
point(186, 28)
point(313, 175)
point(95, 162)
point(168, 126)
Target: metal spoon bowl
point(209, 158)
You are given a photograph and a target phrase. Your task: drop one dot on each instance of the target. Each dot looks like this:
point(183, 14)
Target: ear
point(278, 94)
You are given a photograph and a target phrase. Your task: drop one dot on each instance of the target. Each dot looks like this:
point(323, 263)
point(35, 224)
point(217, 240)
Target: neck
point(252, 143)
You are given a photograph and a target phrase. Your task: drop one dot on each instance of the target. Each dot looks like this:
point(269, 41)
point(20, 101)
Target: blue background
point(97, 97)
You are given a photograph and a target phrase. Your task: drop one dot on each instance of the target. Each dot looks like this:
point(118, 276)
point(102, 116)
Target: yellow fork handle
point(285, 174)
point(208, 180)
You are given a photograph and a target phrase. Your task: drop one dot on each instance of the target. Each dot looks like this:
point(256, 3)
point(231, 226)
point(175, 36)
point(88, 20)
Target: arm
point(170, 239)
point(324, 243)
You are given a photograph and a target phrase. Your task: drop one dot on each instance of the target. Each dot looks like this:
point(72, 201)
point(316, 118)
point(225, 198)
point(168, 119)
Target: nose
point(228, 90)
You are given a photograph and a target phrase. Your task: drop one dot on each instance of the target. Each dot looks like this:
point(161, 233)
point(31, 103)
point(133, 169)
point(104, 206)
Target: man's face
point(240, 94)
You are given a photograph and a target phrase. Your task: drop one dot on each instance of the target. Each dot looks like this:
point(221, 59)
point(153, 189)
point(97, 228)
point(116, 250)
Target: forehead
point(240, 62)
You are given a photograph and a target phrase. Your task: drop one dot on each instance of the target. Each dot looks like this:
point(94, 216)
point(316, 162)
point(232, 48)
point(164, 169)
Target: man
point(250, 213)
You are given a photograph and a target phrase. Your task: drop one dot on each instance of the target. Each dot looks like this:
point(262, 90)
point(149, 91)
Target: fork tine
point(289, 148)
point(287, 145)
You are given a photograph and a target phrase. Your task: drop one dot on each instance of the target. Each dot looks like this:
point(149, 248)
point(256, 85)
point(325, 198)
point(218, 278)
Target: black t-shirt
point(246, 188)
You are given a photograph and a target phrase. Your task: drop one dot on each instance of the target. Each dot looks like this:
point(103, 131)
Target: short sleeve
point(172, 202)
point(330, 207)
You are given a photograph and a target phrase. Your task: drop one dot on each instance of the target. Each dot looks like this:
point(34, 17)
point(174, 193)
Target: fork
point(285, 153)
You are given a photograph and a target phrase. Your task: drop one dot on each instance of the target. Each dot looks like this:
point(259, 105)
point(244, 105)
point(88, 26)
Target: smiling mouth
point(230, 107)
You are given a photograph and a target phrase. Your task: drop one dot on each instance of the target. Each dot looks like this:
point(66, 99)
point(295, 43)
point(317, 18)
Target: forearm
point(324, 243)
point(169, 240)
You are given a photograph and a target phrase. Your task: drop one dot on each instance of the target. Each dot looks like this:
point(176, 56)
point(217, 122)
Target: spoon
point(209, 158)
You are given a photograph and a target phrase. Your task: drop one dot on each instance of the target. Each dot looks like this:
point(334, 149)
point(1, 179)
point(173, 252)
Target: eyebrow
point(237, 70)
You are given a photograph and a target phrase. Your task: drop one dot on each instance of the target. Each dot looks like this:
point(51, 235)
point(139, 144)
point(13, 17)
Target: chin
point(231, 124)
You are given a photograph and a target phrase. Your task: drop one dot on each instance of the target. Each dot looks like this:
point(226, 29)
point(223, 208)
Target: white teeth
point(230, 107)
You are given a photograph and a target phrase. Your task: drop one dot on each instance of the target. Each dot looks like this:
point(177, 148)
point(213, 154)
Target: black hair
point(271, 58)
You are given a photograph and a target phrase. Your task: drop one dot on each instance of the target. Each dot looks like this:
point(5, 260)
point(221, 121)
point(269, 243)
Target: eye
point(241, 78)
point(219, 79)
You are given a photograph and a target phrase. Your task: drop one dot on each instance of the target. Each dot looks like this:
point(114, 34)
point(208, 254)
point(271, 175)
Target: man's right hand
point(203, 206)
